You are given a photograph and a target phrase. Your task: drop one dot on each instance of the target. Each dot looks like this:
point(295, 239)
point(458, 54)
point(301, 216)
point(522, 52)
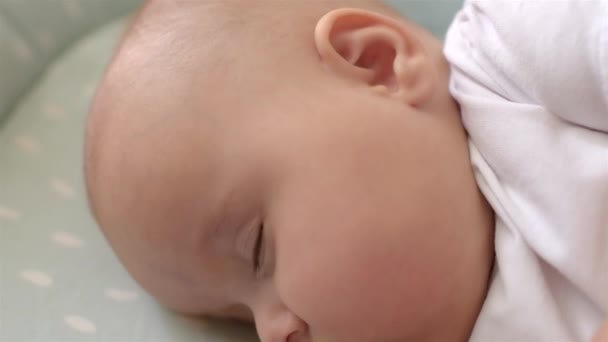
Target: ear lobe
point(380, 51)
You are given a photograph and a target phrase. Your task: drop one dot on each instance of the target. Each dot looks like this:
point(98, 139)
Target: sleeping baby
point(334, 173)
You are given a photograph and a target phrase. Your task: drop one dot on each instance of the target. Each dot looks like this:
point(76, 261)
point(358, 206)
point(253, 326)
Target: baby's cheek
point(357, 290)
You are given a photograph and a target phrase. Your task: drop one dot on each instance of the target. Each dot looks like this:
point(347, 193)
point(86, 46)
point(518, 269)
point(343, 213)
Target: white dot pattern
point(54, 112)
point(28, 144)
point(37, 278)
point(80, 324)
point(62, 188)
point(88, 90)
point(121, 295)
point(68, 240)
point(9, 214)
point(72, 8)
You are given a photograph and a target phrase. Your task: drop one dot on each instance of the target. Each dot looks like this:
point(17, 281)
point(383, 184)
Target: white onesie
point(532, 81)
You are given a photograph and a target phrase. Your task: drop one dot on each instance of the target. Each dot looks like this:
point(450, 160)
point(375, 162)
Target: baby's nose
point(296, 337)
point(278, 324)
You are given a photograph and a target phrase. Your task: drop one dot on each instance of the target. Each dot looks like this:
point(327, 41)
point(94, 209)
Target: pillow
point(33, 33)
point(436, 15)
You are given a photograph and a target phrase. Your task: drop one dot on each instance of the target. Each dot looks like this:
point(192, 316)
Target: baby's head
point(296, 163)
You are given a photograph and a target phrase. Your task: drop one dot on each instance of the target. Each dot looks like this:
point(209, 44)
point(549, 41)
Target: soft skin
point(333, 139)
point(602, 334)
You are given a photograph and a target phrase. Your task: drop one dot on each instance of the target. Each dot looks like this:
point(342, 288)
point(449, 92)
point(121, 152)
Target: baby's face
point(345, 221)
point(322, 210)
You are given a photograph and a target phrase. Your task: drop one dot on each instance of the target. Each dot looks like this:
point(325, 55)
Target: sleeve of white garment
point(553, 53)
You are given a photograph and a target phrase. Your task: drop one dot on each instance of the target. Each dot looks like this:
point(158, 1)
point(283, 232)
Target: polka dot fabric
point(59, 280)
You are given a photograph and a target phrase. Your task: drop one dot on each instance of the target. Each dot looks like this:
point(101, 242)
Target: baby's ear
point(385, 53)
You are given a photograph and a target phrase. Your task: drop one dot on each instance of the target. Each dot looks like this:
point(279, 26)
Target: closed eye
point(257, 250)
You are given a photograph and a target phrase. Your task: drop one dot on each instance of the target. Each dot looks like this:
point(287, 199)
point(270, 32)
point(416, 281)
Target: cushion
point(33, 33)
point(435, 15)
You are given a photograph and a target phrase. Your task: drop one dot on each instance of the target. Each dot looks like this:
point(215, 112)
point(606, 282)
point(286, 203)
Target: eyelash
point(258, 258)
